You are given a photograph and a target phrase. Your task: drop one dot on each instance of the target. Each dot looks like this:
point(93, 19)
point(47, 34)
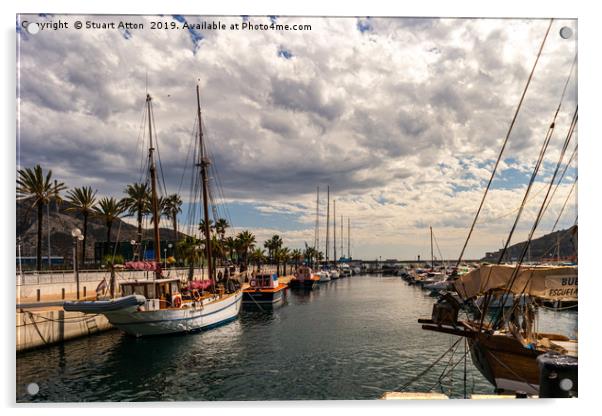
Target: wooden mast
point(432, 255)
point(327, 220)
point(317, 233)
point(154, 199)
point(334, 231)
point(349, 238)
point(203, 163)
point(342, 239)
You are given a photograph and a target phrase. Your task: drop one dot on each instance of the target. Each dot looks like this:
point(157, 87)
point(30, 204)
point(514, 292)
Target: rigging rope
point(538, 218)
point(505, 142)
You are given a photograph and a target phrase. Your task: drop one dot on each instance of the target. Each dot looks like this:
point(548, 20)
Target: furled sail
point(548, 282)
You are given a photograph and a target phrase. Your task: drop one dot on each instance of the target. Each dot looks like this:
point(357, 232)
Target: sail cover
point(548, 282)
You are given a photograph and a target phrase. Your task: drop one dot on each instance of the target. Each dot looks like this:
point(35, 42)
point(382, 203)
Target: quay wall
point(43, 328)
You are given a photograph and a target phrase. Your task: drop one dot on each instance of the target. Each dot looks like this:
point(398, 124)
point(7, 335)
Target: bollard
point(38, 294)
point(84, 292)
point(63, 293)
point(557, 375)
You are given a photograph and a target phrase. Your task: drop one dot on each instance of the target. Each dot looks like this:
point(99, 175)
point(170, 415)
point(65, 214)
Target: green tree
point(173, 206)
point(202, 228)
point(190, 250)
point(109, 210)
point(246, 242)
point(33, 186)
point(82, 201)
point(272, 245)
point(257, 257)
point(297, 257)
point(138, 203)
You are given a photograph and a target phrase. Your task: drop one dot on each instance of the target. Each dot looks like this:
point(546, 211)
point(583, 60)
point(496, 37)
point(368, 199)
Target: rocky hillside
point(62, 222)
point(544, 247)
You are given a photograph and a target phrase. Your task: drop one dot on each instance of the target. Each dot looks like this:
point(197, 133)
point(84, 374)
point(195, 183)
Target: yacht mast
point(349, 238)
point(334, 231)
point(432, 255)
point(342, 239)
point(317, 232)
point(203, 163)
point(154, 199)
point(327, 220)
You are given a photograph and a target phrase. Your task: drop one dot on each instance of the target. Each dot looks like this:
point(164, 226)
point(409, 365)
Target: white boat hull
point(170, 321)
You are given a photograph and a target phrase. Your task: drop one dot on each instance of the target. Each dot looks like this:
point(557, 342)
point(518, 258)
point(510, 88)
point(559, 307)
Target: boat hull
point(254, 297)
point(505, 363)
point(170, 321)
point(306, 284)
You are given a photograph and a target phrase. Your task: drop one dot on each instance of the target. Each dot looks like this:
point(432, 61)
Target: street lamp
point(77, 236)
point(134, 250)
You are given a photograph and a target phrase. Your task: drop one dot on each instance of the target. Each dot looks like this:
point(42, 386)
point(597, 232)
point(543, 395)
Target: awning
point(548, 282)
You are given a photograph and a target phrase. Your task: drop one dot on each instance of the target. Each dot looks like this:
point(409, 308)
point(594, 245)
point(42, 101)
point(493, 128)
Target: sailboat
point(506, 354)
point(166, 305)
point(505, 343)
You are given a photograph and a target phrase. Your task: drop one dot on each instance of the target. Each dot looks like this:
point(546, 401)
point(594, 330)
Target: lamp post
point(134, 251)
point(77, 236)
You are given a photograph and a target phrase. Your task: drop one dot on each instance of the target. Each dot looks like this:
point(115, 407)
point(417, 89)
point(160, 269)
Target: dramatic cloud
point(402, 117)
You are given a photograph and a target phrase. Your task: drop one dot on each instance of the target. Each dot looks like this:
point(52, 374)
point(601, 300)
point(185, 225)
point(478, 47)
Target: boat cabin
point(264, 281)
point(164, 289)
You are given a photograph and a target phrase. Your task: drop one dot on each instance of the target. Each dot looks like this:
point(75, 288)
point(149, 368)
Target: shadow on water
point(351, 338)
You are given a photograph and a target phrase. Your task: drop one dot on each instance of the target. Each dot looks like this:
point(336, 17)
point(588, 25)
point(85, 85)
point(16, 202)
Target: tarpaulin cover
point(548, 282)
point(142, 265)
point(200, 284)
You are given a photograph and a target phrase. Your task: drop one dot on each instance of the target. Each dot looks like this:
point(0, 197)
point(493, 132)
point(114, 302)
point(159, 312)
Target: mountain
point(542, 248)
point(62, 222)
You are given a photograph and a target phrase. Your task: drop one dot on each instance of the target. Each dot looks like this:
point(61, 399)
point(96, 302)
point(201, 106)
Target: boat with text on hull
point(505, 349)
point(264, 290)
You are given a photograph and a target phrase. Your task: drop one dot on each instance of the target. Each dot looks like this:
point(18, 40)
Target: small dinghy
point(101, 306)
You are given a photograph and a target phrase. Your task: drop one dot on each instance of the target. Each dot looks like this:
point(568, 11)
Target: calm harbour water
point(354, 338)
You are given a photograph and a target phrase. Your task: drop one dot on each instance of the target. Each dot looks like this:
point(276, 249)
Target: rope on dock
point(74, 319)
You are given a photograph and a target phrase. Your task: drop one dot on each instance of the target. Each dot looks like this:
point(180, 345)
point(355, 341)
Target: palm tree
point(33, 185)
point(161, 209)
point(202, 227)
point(272, 245)
point(190, 250)
point(282, 255)
point(231, 244)
point(109, 210)
point(257, 257)
point(82, 201)
point(297, 256)
point(173, 206)
point(138, 203)
point(246, 242)
point(221, 225)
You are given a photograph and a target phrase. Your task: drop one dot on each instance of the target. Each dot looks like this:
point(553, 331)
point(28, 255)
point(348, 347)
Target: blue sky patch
point(284, 53)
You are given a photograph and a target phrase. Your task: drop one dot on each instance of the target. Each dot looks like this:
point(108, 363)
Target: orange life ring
point(196, 295)
point(177, 301)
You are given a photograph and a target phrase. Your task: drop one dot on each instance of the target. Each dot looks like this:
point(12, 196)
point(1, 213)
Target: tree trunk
point(175, 228)
point(85, 240)
point(109, 226)
point(139, 233)
point(190, 271)
point(39, 244)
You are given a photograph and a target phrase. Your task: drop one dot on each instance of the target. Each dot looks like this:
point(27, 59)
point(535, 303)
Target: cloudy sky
point(403, 118)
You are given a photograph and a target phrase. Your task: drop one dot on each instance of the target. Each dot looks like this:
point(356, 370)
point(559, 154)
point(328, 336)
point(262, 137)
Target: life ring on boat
point(177, 301)
point(253, 282)
point(196, 295)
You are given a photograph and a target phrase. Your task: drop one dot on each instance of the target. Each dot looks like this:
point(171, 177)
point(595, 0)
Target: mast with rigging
point(203, 163)
point(154, 197)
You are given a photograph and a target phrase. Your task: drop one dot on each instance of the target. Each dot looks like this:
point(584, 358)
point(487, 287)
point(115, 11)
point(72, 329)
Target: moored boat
point(264, 289)
point(304, 278)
